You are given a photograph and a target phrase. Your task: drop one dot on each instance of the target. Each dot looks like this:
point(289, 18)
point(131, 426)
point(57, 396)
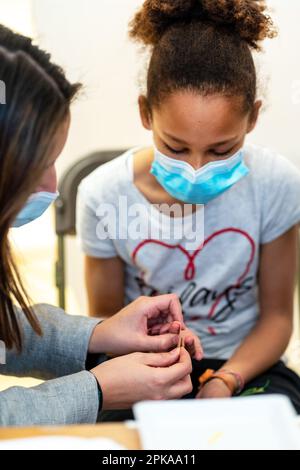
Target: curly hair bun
point(248, 19)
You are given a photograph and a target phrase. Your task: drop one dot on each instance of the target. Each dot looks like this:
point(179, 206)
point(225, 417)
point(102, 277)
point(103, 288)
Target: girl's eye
point(177, 152)
point(221, 154)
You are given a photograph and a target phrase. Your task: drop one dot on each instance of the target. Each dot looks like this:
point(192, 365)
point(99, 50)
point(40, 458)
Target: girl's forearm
point(262, 348)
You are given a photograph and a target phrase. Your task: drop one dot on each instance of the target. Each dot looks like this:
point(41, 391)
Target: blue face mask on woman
point(36, 205)
point(191, 186)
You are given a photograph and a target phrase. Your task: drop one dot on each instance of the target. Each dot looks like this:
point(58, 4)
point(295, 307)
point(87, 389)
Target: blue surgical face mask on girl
point(36, 205)
point(188, 185)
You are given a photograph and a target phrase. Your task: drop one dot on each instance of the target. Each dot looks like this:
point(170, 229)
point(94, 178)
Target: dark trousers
point(279, 379)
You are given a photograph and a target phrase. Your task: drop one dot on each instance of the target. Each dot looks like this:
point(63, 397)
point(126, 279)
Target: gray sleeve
point(60, 354)
point(69, 400)
point(62, 350)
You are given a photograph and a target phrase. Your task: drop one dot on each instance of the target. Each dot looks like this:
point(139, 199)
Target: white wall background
point(89, 38)
point(17, 14)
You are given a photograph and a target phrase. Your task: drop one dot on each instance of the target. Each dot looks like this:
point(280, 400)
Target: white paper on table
point(261, 422)
point(60, 443)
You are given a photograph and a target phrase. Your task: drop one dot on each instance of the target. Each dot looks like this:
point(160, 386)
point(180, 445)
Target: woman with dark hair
point(42, 341)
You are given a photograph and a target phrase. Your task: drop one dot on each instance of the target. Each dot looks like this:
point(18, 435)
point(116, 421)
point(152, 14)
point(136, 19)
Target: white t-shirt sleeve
point(281, 198)
point(90, 228)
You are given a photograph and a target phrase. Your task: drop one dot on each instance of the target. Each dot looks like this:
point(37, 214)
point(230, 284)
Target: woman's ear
point(145, 113)
point(254, 116)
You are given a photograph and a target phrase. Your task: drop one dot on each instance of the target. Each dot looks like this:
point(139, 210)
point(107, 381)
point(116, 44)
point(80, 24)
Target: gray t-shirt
point(217, 283)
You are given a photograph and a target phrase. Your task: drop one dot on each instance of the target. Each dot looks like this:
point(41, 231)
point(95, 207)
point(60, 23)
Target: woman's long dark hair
point(38, 98)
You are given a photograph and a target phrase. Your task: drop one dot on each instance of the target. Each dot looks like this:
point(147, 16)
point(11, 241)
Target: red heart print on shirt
point(190, 268)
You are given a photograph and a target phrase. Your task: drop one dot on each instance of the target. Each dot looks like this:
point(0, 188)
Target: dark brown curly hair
point(202, 45)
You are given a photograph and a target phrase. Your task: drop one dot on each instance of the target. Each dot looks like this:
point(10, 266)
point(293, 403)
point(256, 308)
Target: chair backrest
point(65, 207)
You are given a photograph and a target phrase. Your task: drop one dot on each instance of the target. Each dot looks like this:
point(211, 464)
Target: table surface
point(119, 433)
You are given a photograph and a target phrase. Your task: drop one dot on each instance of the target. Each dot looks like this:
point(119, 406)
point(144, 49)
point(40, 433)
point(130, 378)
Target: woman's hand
point(214, 389)
point(128, 330)
point(128, 379)
point(190, 340)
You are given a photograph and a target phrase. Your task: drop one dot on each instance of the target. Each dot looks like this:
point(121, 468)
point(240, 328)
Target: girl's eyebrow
point(179, 141)
point(218, 144)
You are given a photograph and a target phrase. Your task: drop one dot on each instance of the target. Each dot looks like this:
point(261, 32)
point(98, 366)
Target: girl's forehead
point(188, 103)
point(188, 113)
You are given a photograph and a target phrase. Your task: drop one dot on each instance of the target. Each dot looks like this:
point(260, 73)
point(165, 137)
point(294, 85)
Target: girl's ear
point(145, 113)
point(254, 115)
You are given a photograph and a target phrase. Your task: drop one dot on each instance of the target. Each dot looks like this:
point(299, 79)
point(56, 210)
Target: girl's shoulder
point(275, 184)
point(110, 179)
point(270, 167)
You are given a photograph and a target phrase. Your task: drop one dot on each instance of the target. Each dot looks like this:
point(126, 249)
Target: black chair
point(65, 209)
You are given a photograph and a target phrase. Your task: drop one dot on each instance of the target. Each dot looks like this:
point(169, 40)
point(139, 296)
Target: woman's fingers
point(166, 336)
point(158, 321)
point(167, 306)
point(173, 327)
point(180, 369)
point(165, 359)
point(160, 343)
point(181, 388)
point(171, 376)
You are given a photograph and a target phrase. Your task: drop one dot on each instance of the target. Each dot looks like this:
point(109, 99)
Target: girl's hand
point(190, 340)
point(192, 344)
point(214, 389)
